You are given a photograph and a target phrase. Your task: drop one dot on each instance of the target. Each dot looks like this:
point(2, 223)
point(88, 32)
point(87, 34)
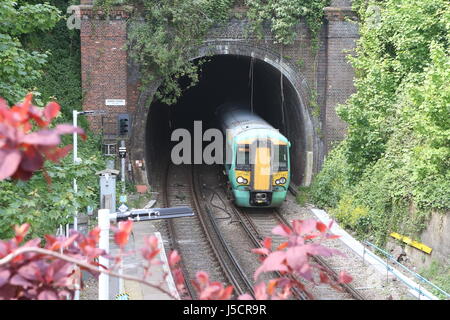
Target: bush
point(395, 161)
point(333, 181)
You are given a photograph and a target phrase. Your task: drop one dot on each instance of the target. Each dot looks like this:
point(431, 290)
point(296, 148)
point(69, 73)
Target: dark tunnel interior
point(226, 78)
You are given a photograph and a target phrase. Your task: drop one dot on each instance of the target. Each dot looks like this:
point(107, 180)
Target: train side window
point(243, 157)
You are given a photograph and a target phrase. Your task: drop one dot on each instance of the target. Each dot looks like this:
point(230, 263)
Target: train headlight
point(282, 180)
point(277, 181)
point(241, 180)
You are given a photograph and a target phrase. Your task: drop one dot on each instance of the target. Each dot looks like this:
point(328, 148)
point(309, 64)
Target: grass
point(439, 275)
point(303, 196)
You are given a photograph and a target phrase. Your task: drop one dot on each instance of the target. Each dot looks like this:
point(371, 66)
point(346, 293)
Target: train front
point(260, 174)
point(258, 166)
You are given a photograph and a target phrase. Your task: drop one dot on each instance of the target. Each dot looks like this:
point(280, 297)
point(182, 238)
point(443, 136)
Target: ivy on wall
point(163, 35)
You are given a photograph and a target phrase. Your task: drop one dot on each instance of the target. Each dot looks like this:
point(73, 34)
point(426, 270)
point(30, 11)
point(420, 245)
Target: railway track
point(253, 230)
point(203, 247)
point(259, 224)
point(198, 239)
point(331, 272)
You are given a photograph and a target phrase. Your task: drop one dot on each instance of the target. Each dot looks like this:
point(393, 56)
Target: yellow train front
point(257, 163)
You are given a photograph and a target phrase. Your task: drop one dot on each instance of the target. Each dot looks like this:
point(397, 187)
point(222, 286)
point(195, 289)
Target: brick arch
point(308, 152)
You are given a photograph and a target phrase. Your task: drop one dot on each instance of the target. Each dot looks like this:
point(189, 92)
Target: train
point(257, 164)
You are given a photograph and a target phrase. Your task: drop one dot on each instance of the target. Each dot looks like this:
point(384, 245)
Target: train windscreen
point(280, 162)
point(243, 157)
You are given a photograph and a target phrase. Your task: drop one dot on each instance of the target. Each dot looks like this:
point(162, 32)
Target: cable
point(251, 77)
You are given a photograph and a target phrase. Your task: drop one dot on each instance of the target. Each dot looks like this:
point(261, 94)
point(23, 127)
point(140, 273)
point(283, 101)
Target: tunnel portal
point(226, 78)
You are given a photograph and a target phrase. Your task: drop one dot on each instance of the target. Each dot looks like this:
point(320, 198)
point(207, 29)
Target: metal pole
point(75, 160)
point(122, 144)
point(364, 254)
point(103, 280)
point(75, 189)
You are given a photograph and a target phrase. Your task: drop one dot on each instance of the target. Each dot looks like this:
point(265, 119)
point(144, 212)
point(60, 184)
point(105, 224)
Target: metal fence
point(390, 258)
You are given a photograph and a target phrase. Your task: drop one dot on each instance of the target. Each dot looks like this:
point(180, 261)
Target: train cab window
point(243, 157)
point(281, 162)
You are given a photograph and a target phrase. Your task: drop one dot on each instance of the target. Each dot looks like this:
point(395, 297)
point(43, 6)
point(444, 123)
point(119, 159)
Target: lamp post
point(75, 150)
point(78, 160)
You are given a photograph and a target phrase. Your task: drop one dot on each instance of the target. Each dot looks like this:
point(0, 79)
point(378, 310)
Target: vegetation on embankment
point(393, 168)
point(49, 65)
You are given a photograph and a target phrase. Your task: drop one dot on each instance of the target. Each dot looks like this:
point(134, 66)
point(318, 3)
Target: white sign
point(115, 102)
point(123, 208)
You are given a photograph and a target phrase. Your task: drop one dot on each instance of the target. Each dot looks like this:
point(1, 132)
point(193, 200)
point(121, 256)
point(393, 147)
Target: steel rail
point(255, 237)
point(174, 244)
point(205, 216)
point(321, 261)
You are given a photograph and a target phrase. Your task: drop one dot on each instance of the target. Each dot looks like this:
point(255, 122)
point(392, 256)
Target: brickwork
point(104, 68)
point(341, 40)
point(107, 73)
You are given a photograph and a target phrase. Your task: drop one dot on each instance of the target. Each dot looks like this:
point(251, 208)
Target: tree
point(19, 68)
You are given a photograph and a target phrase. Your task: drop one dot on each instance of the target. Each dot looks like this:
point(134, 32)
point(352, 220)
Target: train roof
point(242, 122)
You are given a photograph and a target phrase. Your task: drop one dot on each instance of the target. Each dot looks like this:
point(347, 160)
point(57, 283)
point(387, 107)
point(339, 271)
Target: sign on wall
point(115, 102)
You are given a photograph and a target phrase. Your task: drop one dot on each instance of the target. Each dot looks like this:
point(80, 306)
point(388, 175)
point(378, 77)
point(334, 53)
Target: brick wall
point(107, 73)
point(104, 67)
point(341, 40)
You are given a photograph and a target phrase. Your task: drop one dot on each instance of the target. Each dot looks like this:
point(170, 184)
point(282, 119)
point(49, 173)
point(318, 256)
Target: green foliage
point(303, 196)
point(438, 274)
point(284, 16)
point(395, 160)
point(21, 68)
point(62, 81)
point(164, 35)
point(332, 182)
point(164, 43)
point(350, 214)
point(45, 206)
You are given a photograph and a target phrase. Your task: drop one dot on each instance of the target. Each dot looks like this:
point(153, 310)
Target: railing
point(389, 257)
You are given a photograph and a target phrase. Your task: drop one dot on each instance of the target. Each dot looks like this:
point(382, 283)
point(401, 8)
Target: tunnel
point(225, 78)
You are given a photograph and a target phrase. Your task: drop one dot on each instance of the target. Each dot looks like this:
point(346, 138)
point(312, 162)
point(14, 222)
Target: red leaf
point(44, 137)
point(267, 243)
point(344, 277)
point(51, 111)
point(260, 291)
point(245, 296)
point(9, 162)
point(4, 275)
point(273, 262)
point(21, 231)
point(302, 227)
point(127, 226)
point(297, 256)
point(32, 160)
point(324, 278)
point(67, 128)
point(202, 278)
point(282, 230)
point(174, 258)
point(321, 227)
point(55, 154)
point(282, 246)
point(18, 280)
point(261, 251)
point(30, 271)
point(48, 295)
point(226, 295)
point(121, 238)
